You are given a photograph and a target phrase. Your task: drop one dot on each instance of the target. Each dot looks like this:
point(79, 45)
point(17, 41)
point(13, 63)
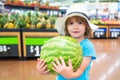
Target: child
point(77, 25)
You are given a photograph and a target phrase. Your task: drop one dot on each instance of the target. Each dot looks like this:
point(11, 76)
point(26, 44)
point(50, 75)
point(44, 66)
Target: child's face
point(76, 27)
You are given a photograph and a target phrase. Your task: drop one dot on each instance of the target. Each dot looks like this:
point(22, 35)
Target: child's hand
point(41, 66)
point(61, 68)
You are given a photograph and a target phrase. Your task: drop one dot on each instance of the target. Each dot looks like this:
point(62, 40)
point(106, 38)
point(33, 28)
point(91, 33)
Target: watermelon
point(64, 46)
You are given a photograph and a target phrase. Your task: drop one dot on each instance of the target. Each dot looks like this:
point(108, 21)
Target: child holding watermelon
point(77, 25)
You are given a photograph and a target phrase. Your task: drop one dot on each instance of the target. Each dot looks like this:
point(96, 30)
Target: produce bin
point(33, 39)
point(10, 43)
point(101, 32)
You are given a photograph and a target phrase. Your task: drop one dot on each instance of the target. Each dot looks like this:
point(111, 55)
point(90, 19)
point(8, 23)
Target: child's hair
point(88, 30)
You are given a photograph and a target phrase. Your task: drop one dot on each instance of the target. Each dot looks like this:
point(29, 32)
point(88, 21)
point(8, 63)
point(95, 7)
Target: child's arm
point(83, 66)
point(41, 67)
point(67, 71)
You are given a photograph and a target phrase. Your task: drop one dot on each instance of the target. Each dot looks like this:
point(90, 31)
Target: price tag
point(33, 50)
point(100, 33)
point(33, 45)
point(8, 50)
point(9, 46)
point(114, 32)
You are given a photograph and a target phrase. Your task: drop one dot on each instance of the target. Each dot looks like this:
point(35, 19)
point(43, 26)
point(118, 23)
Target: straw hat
point(74, 10)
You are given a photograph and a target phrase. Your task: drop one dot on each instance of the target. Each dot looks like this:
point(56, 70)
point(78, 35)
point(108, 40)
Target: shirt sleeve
point(88, 49)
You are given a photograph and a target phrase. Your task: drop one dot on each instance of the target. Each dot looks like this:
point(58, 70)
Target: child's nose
point(75, 25)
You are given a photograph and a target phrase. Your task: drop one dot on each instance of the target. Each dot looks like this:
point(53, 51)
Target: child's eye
point(80, 22)
point(71, 23)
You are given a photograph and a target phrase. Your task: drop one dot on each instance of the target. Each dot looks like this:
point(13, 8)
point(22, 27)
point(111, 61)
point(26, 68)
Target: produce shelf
point(10, 43)
point(101, 32)
point(33, 39)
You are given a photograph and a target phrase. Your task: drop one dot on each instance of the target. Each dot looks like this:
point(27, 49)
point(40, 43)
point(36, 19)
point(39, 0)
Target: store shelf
point(10, 43)
point(18, 7)
point(33, 40)
point(29, 7)
point(24, 43)
point(101, 32)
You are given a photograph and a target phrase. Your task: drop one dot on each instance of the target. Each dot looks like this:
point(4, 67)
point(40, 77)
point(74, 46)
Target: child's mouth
point(75, 31)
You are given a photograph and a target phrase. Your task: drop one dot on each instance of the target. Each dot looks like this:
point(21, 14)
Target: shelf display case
point(33, 40)
point(10, 43)
point(101, 32)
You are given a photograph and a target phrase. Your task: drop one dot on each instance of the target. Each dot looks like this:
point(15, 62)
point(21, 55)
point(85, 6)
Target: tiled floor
point(105, 67)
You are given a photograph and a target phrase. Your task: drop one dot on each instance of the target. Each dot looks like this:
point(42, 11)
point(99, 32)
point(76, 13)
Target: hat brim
point(60, 23)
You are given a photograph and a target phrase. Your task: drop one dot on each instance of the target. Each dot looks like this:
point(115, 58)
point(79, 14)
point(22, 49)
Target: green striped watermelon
point(64, 46)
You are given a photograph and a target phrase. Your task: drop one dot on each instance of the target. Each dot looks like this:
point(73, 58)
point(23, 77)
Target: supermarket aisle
point(106, 67)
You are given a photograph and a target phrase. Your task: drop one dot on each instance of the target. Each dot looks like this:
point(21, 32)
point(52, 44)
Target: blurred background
point(25, 25)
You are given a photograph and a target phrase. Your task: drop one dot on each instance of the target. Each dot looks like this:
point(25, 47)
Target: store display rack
point(107, 32)
point(23, 43)
point(30, 7)
point(10, 43)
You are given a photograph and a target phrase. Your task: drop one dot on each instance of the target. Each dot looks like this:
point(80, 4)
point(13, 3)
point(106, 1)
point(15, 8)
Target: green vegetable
point(64, 46)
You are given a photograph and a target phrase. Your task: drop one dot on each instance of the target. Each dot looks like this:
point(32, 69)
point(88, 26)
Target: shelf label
point(114, 32)
point(8, 46)
point(33, 45)
point(100, 33)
